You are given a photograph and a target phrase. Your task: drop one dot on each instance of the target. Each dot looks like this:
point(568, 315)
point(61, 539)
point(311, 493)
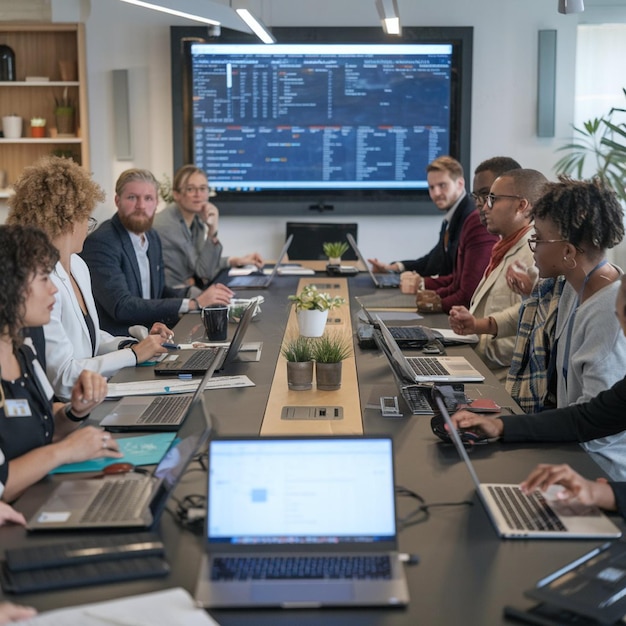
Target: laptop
point(276, 500)
point(196, 361)
point(382, 281)
point(421, 369)
point(516, 515)
point(260, 281)
point(147, 413)
point(133, 500)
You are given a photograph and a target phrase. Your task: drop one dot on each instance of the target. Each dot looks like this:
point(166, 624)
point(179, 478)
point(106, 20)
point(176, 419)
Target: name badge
point(17, 408)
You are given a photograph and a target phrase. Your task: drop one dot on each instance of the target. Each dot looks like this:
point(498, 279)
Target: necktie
point(445, 234)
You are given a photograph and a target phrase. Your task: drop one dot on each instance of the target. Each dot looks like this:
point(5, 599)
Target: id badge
point(17, 408)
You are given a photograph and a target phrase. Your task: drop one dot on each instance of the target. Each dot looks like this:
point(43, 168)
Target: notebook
point(128, 500)
point(197, 361)
point(516, 515)
point(420, 369)
point(261, 281)
point(382, 281)
point(161, 412)
point(280, 499)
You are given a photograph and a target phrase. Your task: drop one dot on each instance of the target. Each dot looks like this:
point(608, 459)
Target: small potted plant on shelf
point(334, 250)
point(328, 352)
point(298, 352)
point(37, 127)
point(64, 114)
point(312, 308)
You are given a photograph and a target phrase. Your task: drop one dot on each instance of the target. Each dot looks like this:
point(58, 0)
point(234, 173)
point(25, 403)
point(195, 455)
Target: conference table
point(465, 574)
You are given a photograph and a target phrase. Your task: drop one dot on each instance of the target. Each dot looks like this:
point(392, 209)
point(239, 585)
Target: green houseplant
point(298, 353)
point(312, 308)
point(334, 251)
point(329, 351)
point(602, 139)
point(64, 114)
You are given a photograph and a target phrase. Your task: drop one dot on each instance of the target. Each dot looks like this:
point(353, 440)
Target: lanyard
point(570, 326)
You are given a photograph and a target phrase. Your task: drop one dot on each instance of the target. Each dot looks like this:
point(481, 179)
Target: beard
point(137, 223)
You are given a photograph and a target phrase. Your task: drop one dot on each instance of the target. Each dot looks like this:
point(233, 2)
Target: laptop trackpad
point(302, 591)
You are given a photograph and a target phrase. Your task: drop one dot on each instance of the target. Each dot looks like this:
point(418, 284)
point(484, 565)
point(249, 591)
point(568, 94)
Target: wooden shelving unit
point(39, 49)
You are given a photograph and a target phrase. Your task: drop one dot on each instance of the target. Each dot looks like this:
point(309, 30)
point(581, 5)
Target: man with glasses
point(192, 252)
point(494, 306)
point(475, 245)
point(446, 187)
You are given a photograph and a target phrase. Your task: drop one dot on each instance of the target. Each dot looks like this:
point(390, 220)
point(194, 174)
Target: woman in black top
point(37, 434)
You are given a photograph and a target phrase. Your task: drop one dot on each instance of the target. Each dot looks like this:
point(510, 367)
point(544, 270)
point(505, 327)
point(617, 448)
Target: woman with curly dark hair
point(37, 434)
point(58, 196)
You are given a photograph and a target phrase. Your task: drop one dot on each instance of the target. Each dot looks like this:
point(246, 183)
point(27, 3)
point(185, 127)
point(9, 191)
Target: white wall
point(504, 97)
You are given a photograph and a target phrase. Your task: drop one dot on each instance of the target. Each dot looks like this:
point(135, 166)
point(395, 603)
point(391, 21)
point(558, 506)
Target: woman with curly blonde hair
point(58, 196)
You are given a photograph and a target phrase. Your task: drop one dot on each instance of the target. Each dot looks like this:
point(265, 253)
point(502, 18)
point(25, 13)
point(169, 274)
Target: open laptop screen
point(301, 491)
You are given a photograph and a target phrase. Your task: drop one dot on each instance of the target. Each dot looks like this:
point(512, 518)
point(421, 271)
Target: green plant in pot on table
point(328, 352)
point(298, 351)
point(334, 250)
point(312, 308)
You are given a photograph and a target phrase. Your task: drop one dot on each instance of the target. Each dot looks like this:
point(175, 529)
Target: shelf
point(5, 193)
point(43, 140)
point(41, 83)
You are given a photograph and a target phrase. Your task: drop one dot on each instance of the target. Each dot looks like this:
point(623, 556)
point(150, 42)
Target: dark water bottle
point(7, 63)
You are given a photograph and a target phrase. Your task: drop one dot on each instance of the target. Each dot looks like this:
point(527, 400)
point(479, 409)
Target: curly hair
point(24, 251)
point(183, 174)
point(446, 164)
point(54, 194)
point(586, 212)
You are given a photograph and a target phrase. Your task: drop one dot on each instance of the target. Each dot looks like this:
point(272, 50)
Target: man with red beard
point(126, 263)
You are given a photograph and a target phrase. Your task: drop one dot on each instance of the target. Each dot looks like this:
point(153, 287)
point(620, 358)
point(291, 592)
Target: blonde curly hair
point(54, 194)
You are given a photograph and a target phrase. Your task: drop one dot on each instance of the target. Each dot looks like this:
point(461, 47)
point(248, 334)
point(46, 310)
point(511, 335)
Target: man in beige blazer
point(494, 306)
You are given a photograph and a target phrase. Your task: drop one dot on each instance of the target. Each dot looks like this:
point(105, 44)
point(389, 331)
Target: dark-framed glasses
point(191, 189)
point(533, 241)
point(479, 198)
point(92, 224)
point(492, 197)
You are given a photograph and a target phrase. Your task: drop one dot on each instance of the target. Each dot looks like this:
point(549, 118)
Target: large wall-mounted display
point(346, 123)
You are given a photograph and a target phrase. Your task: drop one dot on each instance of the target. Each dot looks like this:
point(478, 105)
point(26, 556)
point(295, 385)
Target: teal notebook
point(141, 450)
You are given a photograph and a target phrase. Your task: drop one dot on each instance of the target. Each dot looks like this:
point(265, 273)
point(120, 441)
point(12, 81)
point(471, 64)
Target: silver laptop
point(301, 502)
point(516, 515)
point(195, 362)
point(147, 413)
point(130, 500)
point(421, 369)
point(382, 281)
point(260, 281)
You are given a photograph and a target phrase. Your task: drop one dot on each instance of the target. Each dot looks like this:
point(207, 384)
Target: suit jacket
point(494, 298)
point(116, 281)
point(68, 344)
point(441, 260)
point(472, 258)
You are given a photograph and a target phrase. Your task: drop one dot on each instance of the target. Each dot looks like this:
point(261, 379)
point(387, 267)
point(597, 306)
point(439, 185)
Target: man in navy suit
point(446, 187)
point(126, 263)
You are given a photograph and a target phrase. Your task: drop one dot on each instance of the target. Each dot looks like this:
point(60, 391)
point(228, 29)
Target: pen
point(171, 346)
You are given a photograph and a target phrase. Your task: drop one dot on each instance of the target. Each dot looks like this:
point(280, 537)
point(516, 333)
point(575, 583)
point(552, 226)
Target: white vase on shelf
point(12, 126)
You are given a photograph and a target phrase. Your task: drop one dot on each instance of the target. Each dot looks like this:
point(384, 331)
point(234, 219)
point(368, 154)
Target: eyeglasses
point(190, 189)
point(92, 224)
point(491, 198)
point(479, 198)
point(533, 241)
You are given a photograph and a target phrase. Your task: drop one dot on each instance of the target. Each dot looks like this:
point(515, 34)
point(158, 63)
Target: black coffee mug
point(215, 319)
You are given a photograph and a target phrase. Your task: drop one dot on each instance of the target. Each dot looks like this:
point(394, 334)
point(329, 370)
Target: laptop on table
point(133, 500)
point(516, 515)
point(381, 281)
point(278, 507)
point(148, 413)
point(196, 361)
point(420, 369)
point(260, 281)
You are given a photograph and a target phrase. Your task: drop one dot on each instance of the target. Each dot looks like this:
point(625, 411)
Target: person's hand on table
point(410, 282)
point(489, 427)
point(575, 487)
point(428, 301)
point(158, 328)
point(254, 258)
point(382, 268)
point(9, 515)
point(461, 321)
point(11, 613)
point(215, 294)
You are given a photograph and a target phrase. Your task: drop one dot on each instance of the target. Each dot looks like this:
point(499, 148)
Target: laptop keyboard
point(303, 567)
point(201, 359)
point(525, 512)
point(417, 400)
point(165, 410)
point(413, 333)
point(116, 500)
point(424, 366)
